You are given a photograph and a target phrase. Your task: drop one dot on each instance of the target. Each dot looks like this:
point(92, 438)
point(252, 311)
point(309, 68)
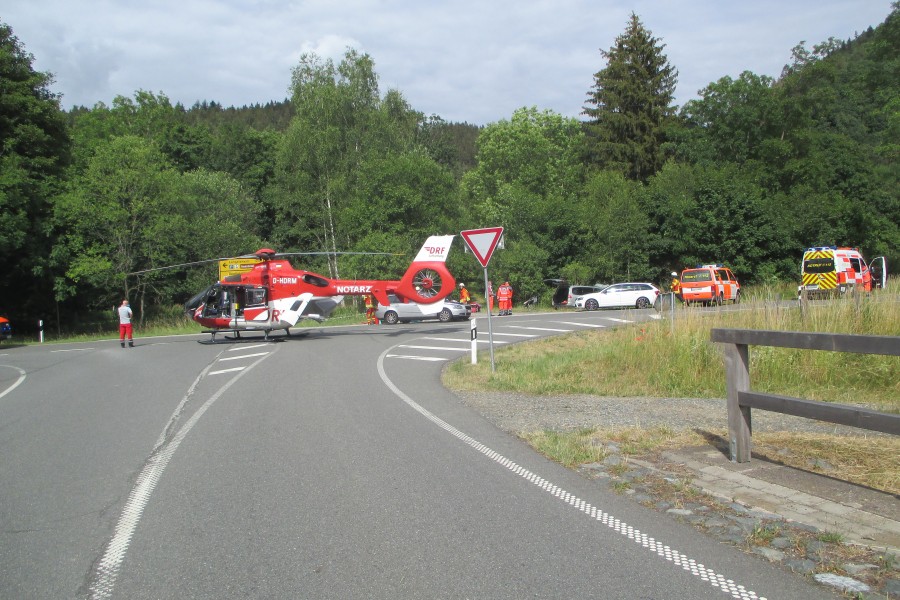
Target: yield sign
point(482, 242)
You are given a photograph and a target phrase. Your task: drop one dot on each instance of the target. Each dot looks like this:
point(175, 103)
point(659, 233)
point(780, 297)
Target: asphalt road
point(329, 465)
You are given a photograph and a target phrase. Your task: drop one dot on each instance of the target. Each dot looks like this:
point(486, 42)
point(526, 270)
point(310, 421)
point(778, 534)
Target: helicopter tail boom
point(427, 279)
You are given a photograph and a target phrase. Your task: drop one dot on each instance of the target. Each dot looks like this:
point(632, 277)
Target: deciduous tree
point(34, 151)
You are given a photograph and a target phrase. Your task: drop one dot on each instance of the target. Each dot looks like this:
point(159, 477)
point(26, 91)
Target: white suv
point(639, 295)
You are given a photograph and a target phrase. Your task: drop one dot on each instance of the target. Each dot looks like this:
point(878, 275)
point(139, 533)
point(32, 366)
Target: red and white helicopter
point(275, 296)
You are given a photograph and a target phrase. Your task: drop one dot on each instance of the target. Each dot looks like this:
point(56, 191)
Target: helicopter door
point(878, 269)
point(256, 304)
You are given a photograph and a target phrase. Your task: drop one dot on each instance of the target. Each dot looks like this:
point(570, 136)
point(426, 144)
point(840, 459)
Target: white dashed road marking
point(580, 324)
point(432, 348)
point(231, 370)
point(242, 348)
point(674, 556)
point(540, 328)
point(242, 356)
point(409, 357)
point(521, 335)
point(103, 578)
point(460, 340)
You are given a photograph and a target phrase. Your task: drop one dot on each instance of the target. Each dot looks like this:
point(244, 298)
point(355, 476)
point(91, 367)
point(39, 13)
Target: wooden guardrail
point(741, 399)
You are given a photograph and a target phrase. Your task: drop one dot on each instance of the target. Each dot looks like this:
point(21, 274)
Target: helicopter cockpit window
point(315, 280)
point(212, 307)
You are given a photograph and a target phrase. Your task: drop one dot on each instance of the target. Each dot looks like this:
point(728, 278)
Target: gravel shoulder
point(515, 413)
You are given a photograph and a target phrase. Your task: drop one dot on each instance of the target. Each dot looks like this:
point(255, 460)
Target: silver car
point(399, 311)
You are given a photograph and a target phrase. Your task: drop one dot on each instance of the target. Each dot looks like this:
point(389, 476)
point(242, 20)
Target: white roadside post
point(474, 336)
point(482, 243)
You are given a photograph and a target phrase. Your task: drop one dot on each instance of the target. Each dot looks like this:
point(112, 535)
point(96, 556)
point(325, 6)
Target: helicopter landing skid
point(236, 337)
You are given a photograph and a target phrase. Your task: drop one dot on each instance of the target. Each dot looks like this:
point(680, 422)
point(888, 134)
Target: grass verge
point(661, 359)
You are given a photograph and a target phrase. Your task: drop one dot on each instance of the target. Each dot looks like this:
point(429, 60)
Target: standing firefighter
point(371, 304)
point(675, 286)
point(464, 296)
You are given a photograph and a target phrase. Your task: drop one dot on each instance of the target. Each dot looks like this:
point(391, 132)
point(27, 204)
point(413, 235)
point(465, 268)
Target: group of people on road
point(503, 297)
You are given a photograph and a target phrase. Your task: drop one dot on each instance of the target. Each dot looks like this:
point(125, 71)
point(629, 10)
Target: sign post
point(482, 243)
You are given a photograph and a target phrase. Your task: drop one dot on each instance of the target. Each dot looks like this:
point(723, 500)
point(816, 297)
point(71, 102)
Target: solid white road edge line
point(688, 564)
point(18, 382)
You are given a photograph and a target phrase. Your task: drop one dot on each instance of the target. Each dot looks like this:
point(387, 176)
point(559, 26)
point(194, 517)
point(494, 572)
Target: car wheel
point(642, 302)
point(391, 318)
point(445, 316)
point(591, 304)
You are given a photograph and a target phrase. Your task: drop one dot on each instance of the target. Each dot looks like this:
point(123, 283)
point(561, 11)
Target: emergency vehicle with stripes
point(710, 284)
point(832, 270)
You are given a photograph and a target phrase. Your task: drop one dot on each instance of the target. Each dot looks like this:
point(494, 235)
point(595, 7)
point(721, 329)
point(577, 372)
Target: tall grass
point(665, 359)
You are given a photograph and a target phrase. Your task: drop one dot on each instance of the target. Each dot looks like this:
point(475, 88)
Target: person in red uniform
point(125, 315)
point(490, 297)
point(504, 296)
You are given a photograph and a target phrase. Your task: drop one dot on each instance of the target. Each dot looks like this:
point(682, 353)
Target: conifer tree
point(630, 104)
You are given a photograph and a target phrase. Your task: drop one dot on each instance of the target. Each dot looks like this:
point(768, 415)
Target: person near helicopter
point(125, 329)
point(464, 296)
point(371, 305)
point(505, 295)
point(490, 297)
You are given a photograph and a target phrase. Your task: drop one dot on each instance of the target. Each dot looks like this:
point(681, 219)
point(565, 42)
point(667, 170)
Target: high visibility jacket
point(504, 292)
point(464, 295)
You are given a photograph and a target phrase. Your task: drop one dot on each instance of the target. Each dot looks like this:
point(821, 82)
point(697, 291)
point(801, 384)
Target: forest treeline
point(752, 172)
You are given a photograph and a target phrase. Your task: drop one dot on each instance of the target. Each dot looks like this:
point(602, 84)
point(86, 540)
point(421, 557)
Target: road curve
point(329, 465)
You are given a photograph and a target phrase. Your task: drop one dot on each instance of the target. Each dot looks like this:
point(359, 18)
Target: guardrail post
point(737, 379)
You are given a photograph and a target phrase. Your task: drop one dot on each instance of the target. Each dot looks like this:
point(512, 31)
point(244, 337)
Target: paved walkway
point(861, 515)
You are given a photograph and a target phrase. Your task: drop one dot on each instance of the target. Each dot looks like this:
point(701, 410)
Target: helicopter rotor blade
point(327, 253)
point(276, 255)
point(190, 264)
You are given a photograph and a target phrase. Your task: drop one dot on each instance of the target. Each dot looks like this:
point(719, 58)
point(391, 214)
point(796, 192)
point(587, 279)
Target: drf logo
point(435, 249)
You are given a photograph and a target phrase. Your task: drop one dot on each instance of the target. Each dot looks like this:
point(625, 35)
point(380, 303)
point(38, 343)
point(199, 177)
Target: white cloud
point(464, 60)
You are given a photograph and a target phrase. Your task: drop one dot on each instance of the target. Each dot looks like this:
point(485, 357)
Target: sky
point(473, 61)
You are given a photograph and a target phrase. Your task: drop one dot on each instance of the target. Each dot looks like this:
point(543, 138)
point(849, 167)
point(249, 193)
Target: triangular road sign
point(482, 242)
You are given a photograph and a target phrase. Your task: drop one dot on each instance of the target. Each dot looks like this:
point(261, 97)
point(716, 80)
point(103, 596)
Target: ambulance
point(709, 284)
point(830, 271)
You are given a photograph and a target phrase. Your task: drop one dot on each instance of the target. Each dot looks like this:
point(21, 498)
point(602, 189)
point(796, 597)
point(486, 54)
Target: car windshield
point(689, 276)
